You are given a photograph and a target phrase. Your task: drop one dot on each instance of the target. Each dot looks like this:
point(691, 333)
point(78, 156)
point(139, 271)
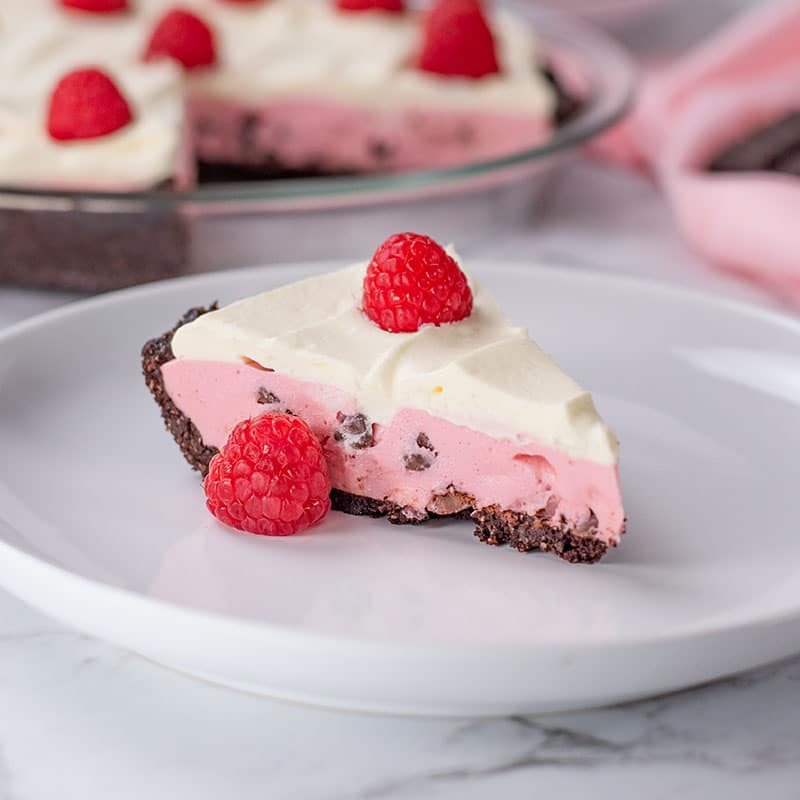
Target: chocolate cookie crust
point(155, 353)
point(493, 525)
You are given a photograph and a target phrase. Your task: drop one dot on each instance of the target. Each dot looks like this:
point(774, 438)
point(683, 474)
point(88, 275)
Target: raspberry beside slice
point(270, 478)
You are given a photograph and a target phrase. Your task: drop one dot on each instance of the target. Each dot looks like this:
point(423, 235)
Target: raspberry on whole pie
point(86, 104)
point(458, 41)
point(183, 37)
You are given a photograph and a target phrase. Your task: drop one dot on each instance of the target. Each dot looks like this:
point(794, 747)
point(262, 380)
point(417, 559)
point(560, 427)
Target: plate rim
point(11, 555)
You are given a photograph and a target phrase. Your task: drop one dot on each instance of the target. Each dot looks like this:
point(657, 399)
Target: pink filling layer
point(336, 137)
point(521, 476)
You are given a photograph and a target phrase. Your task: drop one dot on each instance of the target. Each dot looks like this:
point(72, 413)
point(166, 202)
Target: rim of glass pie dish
point(605, 66)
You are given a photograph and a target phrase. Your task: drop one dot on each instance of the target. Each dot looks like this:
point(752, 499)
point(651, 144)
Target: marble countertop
point(81, 719)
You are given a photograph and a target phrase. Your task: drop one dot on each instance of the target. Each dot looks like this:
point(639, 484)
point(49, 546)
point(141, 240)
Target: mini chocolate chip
point(417, 462)
point(424, 442)
point(267, 398)
point(354, 430)
point(423, 457)
point(379, 150)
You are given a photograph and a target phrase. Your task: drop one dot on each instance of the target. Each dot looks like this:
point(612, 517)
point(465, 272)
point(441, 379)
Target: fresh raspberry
point(457, 40)
point(86, 104)
point(395, 6)
point(410, 281)
point(96, 6)
point(269, 478)
point(184, 37)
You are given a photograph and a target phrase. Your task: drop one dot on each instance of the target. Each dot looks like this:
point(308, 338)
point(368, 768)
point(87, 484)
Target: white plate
point(102, 525)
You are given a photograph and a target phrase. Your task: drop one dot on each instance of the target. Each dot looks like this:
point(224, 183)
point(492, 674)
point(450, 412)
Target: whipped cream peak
point(482, 372)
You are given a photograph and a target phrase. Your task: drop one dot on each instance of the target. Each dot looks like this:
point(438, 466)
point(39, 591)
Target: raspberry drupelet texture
point(412, 281)
point(183, 37)
point(86, 104)
point(270, 478)
point(458, 41)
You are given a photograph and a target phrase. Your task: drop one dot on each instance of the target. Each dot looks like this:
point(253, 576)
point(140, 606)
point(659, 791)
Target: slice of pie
point(427, 401)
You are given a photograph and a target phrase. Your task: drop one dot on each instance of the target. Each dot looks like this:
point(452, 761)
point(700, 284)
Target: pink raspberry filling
point(410, 461)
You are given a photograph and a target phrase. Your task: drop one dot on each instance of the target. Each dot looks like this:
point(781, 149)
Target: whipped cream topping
point(276, 49)
point(481, 372)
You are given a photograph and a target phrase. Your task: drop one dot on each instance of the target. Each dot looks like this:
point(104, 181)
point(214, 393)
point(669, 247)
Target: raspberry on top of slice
point(270, 478)
point(393, 6)
point(412, 281)
point(457, 40)
point(86, 104)
point(184, 37)
point(96, 6)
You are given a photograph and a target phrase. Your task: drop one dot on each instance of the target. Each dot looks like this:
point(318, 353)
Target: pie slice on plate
point(426, 400)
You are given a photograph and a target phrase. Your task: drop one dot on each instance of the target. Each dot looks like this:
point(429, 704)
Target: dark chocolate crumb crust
point(493, 525)
point(154, 354)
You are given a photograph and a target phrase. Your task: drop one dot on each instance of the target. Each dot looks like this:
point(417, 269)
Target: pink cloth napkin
point(742, 78)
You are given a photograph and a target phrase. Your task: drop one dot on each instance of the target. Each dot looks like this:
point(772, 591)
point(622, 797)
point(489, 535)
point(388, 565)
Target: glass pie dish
point(95, 241)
